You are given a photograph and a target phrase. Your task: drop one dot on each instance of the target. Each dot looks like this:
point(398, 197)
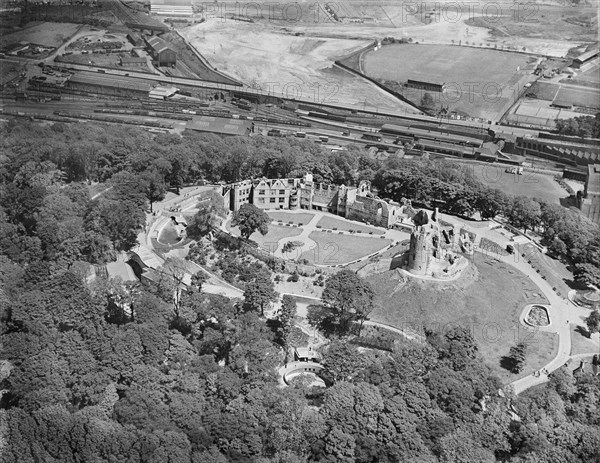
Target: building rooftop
point(587, 55)
point(158, 45)
point(132, 60)
point(593, 179)
point(109, 80)
point(306, 352)
point(163, 92)
point(219, 125)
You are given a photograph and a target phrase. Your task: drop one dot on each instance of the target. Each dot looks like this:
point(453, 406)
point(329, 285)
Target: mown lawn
point(300, 218)
point(331, 223)
point(335, 249)
point(488, 299)
point(270, 240)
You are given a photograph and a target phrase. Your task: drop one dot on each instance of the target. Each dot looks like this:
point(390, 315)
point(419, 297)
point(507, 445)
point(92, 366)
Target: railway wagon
point(371, 137)
point(423, 134)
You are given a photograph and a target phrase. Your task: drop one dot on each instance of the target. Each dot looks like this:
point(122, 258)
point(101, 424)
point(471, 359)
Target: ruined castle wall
point(368, 210)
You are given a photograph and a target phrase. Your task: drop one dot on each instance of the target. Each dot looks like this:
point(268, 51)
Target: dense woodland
point(104, 372)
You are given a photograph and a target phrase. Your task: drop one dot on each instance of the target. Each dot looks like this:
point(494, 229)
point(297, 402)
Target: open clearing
point(440, 63)
point(261, 56)
point(47, 34)
point(487, 299)
point(531, 184)
point(335, 249)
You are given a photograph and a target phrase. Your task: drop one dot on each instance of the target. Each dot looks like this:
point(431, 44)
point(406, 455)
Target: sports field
point(479, 82)
point(579, 96)
point(401, 62)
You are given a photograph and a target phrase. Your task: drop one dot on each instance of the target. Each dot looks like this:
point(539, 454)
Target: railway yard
point(113, 75)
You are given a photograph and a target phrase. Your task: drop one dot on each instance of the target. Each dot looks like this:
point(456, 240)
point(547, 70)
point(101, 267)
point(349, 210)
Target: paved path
point(186, 200)
point(310, 245)
point(559, 310)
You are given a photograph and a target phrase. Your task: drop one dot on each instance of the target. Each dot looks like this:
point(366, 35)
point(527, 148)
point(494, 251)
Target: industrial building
point(108, 84)
point(590, 205)
point(559, 151)
point(585, 58)
point(219, 125)
point(161, 51)
point(133, 62)
point(426, 85)
point(173, 8)
point(135, 39)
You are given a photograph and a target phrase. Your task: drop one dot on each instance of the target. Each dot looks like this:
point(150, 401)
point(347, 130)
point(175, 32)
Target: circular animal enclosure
point(537, 315)
point(171, 233)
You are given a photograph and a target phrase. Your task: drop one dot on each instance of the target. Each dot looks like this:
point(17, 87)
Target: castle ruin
point(434, 247)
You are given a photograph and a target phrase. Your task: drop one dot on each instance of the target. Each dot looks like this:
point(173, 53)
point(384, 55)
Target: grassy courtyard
point(300, 218)
point(488, 299)
point(271, 239)
point(335, 249)
point(331, 222)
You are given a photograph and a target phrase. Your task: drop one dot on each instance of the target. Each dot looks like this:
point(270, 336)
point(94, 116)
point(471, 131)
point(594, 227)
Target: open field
point(270, 240)
point(590, 77)
point(332, 222)
point(263, 56)
point(544, 90)
point(303, 217)
point(532, 184)
point(494, 75)
point(335, 249)
point(578, 96)
point(536, 20)
point(47, 34)
point(437, 63)
point(487, 299)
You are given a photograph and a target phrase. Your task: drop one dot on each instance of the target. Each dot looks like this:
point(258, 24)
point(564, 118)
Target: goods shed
point(108, 84)
point(161, 51)
point(219, 125)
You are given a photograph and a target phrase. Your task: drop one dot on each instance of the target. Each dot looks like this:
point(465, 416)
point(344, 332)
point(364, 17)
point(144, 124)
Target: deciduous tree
point(249, 219)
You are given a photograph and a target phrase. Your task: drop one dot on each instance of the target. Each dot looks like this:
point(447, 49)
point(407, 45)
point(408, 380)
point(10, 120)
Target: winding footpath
point(558, 307)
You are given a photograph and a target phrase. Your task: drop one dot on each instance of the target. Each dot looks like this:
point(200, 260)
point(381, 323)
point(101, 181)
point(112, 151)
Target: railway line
point(255, 94)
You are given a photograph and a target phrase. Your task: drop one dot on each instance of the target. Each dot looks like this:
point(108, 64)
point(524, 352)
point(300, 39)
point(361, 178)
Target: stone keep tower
point(425, 243)
point(419, 251)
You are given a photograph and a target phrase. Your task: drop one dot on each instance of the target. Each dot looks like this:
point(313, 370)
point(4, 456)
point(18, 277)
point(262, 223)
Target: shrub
point(319, 226)
point(334, 228)
point(294, 277)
